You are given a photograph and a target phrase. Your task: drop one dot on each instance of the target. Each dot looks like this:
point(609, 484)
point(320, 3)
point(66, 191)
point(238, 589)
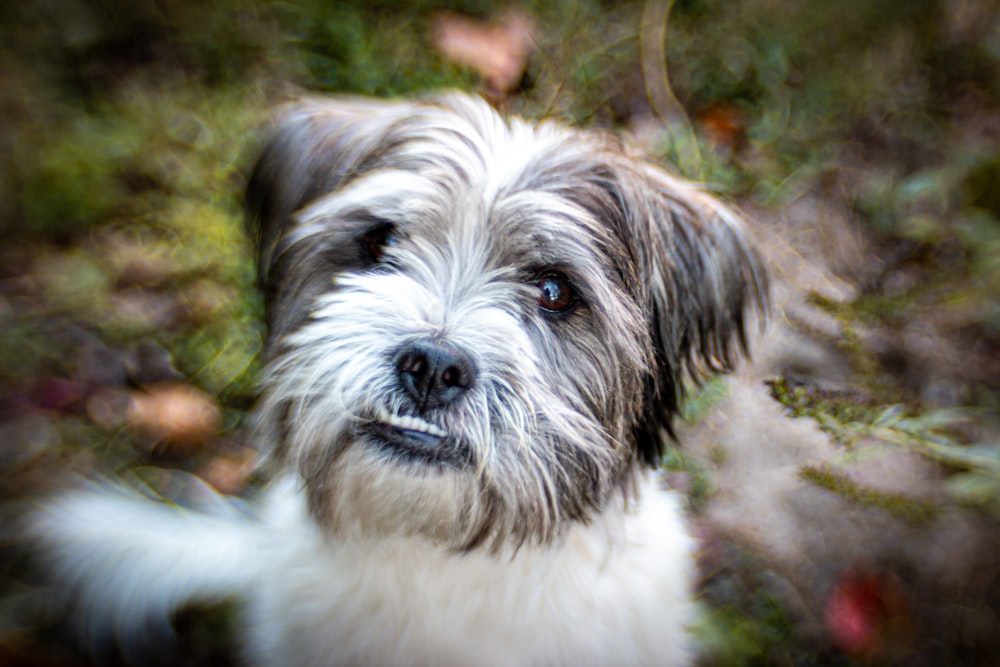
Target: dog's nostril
point(453, 377)
point(412, 363)
point(433, 373)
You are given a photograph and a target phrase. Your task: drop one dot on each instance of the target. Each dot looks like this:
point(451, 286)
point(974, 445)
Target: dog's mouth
point(411, 439)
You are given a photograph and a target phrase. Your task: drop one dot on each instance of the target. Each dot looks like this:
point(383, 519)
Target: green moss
point(909, 509)
point(862, 423)
point(830, 408)
point(355, 47)
point(743, 620)
point(703, 397)
point(868, 369)
point(699, 486)
point(68, 176)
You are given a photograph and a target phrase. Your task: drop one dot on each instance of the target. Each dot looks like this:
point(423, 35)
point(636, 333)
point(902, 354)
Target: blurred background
point(846, 484)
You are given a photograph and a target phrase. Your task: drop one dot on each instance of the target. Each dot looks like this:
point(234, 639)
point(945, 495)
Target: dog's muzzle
point(434, 376)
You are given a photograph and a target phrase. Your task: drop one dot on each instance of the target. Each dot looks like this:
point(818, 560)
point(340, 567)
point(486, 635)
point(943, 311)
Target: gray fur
point(566, 406)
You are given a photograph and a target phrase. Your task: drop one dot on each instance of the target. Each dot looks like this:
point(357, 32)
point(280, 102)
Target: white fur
point(610, 593)
point(506, 517)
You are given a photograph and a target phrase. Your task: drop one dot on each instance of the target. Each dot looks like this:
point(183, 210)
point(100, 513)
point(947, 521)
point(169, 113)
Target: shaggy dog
point(480, 330)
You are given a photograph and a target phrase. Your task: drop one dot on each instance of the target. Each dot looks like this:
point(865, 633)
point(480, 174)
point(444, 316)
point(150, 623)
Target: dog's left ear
point(703, 283)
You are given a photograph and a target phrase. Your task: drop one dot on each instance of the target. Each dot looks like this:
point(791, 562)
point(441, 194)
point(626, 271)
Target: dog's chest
point(592, 601)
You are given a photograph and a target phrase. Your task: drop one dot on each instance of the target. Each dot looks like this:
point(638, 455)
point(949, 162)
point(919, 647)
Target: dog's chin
point(391, 481)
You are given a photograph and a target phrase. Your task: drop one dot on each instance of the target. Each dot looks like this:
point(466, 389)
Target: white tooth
point(410, 423)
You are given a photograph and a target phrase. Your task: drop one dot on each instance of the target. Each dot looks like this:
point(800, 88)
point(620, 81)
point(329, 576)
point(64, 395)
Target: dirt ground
point(924, 588)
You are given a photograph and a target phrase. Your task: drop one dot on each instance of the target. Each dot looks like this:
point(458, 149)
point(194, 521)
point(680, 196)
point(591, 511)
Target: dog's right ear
point(312, 147)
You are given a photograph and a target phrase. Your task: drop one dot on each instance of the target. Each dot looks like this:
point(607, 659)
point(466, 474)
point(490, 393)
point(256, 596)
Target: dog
point(480, 330)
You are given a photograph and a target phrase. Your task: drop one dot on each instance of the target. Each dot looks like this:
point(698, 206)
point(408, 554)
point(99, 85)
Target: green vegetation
point(865, 427)
point(909, 509)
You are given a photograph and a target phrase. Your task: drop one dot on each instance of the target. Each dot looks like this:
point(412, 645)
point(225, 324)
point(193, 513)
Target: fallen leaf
point(107, 407)
point(867, 615)
point(229, 474)
point(498, 51)
point(723, 126)
point(174, 416)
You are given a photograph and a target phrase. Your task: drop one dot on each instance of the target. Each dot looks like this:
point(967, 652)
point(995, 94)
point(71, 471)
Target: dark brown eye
point(375, 241)
point(557, 294)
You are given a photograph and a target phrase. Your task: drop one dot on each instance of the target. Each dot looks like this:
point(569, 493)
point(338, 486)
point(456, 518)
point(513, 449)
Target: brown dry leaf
point(173, 415)
point(108, 407)
point(231, 473)
point(724, 126)
point(143, 309)
point(498, 50)
point(207, 301)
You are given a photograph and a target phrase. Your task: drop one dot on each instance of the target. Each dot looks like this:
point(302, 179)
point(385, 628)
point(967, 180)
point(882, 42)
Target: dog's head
point(479, 328)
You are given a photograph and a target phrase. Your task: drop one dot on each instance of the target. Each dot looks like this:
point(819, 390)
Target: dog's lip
point(412, 439)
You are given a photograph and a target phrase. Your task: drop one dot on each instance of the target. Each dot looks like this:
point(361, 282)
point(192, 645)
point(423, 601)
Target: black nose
point(434, 374)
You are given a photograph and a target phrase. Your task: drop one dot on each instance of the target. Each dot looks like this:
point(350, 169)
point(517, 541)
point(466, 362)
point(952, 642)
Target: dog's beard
point(529, 447)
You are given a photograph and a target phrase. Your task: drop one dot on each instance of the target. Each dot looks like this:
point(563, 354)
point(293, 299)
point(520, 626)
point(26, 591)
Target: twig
point(652, 41)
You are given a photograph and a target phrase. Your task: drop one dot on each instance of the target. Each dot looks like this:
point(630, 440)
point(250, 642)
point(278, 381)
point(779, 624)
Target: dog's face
point(479, 328)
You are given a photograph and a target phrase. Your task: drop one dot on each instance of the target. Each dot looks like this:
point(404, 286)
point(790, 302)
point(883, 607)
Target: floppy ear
point(315, 146)
point(312, 147)
point(704, 279)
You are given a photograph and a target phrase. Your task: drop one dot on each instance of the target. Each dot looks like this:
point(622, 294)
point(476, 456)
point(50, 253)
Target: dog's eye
point(376, 240)
point(556, 294)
